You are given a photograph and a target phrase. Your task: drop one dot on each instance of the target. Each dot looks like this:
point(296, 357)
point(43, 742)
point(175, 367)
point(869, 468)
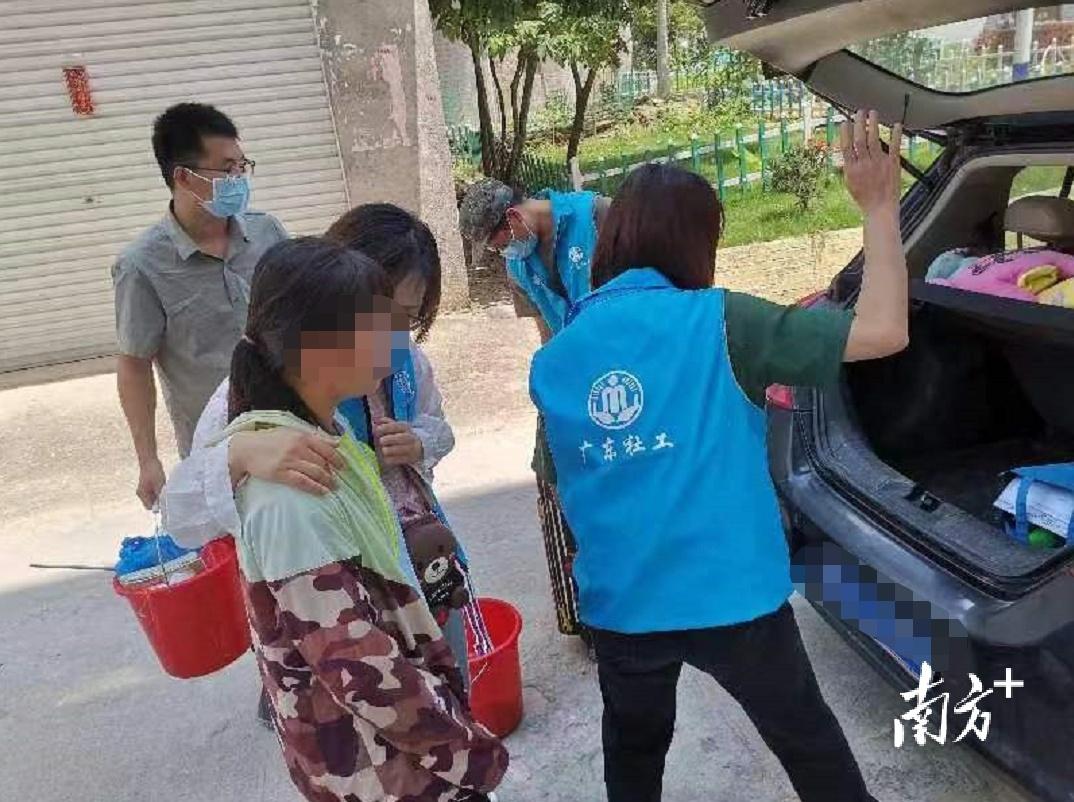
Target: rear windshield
point(981, 53)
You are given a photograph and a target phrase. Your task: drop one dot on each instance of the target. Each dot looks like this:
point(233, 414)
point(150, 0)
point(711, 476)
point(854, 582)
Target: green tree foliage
point(904, 54)
point(801, 172)
point(586, 42)
point(687, 40)
point(530, 31)
point(474, 23)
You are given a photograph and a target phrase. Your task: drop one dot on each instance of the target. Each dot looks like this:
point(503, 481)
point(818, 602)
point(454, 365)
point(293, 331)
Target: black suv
point(889, 481)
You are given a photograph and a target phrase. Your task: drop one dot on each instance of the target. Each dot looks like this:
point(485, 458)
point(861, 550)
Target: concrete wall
point(459, 89)
point(436, 183)
point(457, 86)
point(385, 94)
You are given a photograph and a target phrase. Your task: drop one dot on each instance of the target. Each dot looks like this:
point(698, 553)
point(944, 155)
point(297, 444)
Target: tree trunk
point(484, 116)
point(520, 69)
point(582, 93)
point(518, 147)
point(499, 96)
point(663, 68)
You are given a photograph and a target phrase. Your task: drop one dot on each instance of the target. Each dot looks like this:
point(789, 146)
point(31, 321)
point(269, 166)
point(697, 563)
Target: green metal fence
point(735, 160)
point(533, 172)
point(778, 97)
point(732, 160)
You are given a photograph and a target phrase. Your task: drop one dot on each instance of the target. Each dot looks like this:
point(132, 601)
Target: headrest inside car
point(1046, 219)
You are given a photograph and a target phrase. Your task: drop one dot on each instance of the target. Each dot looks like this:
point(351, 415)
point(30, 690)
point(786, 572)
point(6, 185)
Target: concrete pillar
point(384, 90)
point(626, 60)
point(437, 183)
point(1023, 44)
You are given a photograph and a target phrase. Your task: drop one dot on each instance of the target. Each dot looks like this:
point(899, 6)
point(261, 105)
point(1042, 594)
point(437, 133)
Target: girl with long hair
point(403, 418)
point(367, 699)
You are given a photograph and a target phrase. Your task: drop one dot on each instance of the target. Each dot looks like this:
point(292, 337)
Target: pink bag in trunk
point(998, 274)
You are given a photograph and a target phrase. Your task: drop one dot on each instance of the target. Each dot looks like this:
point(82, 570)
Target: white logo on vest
point(576, 256)
point(616, 400)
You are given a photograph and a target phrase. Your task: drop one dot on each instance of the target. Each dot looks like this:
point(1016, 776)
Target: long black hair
point(662, 217)
point(401, 244)
point(300, 285)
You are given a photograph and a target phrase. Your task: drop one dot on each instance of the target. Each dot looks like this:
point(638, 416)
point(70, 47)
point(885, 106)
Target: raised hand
point(872, 176)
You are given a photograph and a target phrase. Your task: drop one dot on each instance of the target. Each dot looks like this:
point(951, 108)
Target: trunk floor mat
point(972, 478)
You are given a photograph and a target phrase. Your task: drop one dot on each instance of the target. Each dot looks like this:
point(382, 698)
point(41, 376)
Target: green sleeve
point(773, 344)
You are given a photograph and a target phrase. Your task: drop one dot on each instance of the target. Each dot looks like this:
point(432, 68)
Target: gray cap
point(482, 211)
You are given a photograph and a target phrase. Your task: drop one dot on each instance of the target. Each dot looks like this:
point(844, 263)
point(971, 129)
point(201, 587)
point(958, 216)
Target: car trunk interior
point(975, 395)
point(987, 383)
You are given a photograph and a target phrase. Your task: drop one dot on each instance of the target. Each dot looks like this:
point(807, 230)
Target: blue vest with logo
point(574, 224)
point(661, 462)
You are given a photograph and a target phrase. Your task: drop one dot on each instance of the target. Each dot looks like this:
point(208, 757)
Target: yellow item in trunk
point(1038, 279)
point(1062, 294)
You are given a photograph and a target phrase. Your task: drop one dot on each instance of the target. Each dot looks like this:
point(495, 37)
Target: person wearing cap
point(547, 243)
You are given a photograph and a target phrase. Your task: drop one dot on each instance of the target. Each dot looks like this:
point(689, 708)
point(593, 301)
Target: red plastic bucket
point(197, 626)
point(496, 678)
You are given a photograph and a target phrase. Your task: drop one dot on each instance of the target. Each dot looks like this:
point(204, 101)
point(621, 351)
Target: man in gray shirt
point(182, 288)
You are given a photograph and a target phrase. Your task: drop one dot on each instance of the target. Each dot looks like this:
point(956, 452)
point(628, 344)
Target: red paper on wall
point(78, 88)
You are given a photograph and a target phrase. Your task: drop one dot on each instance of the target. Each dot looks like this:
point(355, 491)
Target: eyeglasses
point(244, 167)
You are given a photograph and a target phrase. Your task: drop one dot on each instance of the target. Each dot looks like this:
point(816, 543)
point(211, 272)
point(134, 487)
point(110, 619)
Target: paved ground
point(86, 714)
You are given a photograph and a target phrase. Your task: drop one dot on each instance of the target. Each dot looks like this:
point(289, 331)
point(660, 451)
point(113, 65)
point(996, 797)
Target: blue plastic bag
point(139, 553)
point(1059, 475)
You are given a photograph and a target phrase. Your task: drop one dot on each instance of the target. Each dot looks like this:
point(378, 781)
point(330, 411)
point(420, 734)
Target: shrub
point(801, 172)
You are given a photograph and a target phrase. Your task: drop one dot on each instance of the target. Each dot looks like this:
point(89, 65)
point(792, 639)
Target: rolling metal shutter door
point(74, 190)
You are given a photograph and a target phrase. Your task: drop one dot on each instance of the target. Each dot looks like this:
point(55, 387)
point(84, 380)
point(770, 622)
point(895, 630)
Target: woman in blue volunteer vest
point(652, 397)
point(547, 244)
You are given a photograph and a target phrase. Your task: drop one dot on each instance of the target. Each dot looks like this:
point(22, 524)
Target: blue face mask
point(231, 196)
point(520, 248)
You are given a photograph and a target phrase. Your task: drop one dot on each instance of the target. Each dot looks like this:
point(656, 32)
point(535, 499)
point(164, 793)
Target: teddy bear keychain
point(434, 551)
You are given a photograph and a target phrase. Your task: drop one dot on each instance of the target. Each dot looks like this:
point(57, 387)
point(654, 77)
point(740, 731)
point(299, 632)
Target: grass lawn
point(637, 145)
point(755, 216)
point(752, 215)
point(672, 125)
point(1038, 180)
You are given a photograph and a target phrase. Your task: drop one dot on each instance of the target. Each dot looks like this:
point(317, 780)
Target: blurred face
point(352, 362)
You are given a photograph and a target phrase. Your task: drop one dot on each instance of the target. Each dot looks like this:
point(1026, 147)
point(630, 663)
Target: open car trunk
point(985, 386)
point(921, 442)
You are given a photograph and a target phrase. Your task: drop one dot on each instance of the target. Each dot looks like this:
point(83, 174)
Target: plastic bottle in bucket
point(198, 625)
point(496, 677)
